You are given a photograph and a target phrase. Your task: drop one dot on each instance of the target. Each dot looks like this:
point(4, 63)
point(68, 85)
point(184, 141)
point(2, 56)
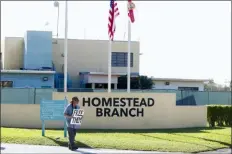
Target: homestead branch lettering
point(119, 107)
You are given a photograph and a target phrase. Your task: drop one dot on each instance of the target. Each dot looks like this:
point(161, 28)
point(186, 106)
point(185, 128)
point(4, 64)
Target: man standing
point(72, 129)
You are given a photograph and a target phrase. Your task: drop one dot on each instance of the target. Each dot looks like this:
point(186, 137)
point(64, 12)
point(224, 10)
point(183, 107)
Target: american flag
point(130, 11)
point(113, 13)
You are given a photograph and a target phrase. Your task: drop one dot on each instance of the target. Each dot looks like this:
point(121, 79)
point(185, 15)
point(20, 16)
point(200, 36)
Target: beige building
point(87, 59)
point(179, 84)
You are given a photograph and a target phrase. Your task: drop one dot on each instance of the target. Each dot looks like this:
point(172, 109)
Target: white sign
point(77, 116)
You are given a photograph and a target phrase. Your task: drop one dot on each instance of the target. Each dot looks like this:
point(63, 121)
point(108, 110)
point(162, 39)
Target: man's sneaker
point(72, 148)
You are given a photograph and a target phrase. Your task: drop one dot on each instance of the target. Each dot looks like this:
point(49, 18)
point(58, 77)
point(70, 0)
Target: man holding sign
point(73, 116)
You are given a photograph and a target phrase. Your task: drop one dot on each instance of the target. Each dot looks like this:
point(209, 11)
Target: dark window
point(119, 59)
point(6, 84)
point(88, 85)
point(167, 83)
point(189, 88)
point(0, 60)
point(46, 87)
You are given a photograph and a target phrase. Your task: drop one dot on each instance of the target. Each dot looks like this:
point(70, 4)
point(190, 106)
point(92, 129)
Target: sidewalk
point(20, 148)
point(220, 151)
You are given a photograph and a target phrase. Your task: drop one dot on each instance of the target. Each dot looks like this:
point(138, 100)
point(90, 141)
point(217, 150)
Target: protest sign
point(77, 116)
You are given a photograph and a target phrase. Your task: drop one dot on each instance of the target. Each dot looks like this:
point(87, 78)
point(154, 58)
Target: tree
point(140, 82)
point(226, 88)
point(212, 86)
point(122, 82)
point(145, 82)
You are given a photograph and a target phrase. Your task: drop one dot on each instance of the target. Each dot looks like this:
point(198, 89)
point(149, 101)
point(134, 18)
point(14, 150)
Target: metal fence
point(34, 95)
point(25, 95)
point(191, 97)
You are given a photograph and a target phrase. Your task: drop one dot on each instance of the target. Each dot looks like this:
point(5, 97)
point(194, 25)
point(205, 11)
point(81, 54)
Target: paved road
point(19, 148)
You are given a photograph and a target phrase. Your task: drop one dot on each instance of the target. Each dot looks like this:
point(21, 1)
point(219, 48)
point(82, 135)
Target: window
point(46, 86)
point(189, 88)
point(6, 84)
point(167, 83)
point(119, 59)
point(45, 78)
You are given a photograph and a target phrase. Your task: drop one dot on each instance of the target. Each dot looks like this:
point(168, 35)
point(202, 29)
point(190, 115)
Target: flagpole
point(66, 47)
point(113, 13)
point(128, 56)
point(109, 66)
point(130, 7)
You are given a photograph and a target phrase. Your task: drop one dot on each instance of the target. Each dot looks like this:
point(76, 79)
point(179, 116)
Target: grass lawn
point(175, 140)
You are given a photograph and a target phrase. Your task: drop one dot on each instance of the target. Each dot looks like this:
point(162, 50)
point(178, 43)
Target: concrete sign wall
point(136, 110)
point(113, 111)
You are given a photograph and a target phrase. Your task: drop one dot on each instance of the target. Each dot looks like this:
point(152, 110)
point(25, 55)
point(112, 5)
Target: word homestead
point(119, 107)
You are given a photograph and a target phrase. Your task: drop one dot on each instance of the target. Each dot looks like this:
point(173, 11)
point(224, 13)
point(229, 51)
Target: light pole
point(56, 4)
point(66, 47)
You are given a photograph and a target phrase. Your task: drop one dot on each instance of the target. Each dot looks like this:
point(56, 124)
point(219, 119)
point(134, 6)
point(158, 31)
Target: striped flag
point(131, 7)
point(113, 13)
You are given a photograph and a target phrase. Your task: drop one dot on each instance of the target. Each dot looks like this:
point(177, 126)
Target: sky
point(177, 39)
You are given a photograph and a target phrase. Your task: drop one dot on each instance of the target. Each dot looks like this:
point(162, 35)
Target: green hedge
point(220, 115)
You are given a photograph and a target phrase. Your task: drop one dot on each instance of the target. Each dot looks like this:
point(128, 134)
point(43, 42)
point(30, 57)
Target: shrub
point(228, 116)
point(220, 115)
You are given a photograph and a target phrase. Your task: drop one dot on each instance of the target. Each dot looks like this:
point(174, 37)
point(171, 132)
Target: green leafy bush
point(220, 115)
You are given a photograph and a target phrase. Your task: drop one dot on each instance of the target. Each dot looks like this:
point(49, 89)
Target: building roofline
point(104, 73)
point(94, 40)
point(28, 72)
point(181, 79)
point(9, 37)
